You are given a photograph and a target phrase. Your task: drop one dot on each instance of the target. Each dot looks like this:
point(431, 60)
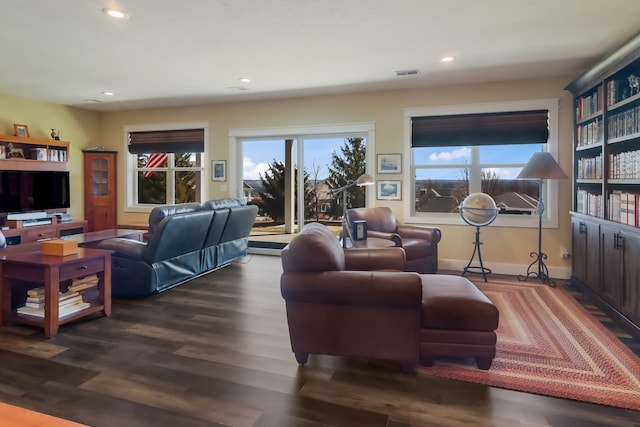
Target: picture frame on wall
point(389, 190)
point(389, 163)
point(21, 130)
point(218, 170)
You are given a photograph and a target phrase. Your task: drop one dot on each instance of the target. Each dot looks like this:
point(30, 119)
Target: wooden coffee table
point(48, 271)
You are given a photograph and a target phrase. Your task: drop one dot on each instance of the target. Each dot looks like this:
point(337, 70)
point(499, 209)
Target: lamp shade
point(364, 179)
point(542, 165)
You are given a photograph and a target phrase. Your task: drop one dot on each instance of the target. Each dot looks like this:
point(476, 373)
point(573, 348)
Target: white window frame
point(131, 161)
point(550, 187)
point(237, 136)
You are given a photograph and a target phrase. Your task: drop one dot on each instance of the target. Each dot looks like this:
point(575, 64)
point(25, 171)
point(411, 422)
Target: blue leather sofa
point(185, 241)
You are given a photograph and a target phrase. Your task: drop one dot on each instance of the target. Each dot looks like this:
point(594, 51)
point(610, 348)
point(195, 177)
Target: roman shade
point(167, 141)
point(513, 127)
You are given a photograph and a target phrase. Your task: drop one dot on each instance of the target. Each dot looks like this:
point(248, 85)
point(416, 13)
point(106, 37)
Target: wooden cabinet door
point(612, 267)
point(585, 238)
point(631, 281)
point(100, 208)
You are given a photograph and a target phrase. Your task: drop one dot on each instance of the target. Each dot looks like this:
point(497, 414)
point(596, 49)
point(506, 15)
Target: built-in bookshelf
point(606, 183)
point(22, 153)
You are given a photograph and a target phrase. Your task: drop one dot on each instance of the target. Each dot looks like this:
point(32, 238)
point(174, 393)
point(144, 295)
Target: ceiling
point(175, 53)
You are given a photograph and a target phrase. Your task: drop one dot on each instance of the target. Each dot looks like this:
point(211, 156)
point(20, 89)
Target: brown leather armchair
point(420, 243)
point(334, 309)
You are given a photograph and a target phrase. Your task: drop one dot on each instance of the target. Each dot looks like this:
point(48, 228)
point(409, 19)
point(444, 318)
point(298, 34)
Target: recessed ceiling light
point(115, 13)
point(244, 80)
point(92, 101)
point(447, 58)
point(107, 93)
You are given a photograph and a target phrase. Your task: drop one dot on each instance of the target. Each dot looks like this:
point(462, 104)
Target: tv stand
point(34, 233)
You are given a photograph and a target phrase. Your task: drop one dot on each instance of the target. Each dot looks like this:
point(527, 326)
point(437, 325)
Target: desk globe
point(478, 210)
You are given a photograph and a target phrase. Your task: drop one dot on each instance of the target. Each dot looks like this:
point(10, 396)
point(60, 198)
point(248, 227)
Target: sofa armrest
point(354, 288)
point(128, 248)
point(431, 234)
point(374, 259)
point(394, 237)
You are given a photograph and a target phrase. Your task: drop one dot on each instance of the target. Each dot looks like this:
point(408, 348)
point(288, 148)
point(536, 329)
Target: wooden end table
point(48, 271)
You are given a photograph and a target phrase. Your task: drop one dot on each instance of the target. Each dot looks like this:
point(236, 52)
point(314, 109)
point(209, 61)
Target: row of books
point(57, 155)
point(590, 133)
point(590, 168)
point(69, 302)
point(625, 123)
point(623, 207)
point(618, 90)
point(625, 165)
point(590, 104)
point(589, 203)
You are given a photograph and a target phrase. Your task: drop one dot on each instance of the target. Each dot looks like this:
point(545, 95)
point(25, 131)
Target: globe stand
point(478, 210)
point(477, 269)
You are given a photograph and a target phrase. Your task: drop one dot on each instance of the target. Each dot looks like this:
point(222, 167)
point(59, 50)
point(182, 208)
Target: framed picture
point(218, 170)
point(389, 163)
point(21, 130)
point(389, 190)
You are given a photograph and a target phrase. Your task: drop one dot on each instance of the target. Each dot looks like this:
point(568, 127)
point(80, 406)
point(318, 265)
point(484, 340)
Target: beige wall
point(504, 249)
point(80, 127)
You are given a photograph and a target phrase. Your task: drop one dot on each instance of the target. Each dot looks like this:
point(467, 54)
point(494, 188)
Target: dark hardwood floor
point(215, 352)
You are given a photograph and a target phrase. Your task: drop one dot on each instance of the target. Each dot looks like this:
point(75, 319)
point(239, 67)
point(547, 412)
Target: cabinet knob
point(83, 267)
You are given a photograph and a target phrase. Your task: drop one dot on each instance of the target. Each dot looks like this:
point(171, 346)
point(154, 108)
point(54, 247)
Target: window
point(165, 167)
point(459, 150)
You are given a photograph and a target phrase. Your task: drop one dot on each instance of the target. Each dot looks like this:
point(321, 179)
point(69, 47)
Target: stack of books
point(84, 283)
point(68, 302)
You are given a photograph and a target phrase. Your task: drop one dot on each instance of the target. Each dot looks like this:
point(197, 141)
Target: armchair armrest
point(431, 234)
point(353, 288)
point(397, 240)
point(374, 259)
point(127, 248)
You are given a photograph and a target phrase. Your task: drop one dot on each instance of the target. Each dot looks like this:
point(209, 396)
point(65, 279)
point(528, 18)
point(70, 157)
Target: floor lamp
point(364, 179)
point(541, 166)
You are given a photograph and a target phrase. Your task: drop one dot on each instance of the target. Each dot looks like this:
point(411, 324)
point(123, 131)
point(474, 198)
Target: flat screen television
point(28, 191)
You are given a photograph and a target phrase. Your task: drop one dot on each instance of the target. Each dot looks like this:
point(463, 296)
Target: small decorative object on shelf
point(14, 152)
point(634, 84)
point(55, 134)
point(21, 130)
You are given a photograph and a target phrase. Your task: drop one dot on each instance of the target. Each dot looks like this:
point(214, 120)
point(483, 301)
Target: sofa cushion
point(315, 248)
point(230, 202)
point(159, 213)
point(378, 218)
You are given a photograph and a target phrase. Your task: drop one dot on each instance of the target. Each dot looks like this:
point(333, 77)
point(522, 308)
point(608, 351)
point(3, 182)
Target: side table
point(48, 271)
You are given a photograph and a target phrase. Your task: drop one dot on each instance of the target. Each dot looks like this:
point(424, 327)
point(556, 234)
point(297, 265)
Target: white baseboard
point(503, 268)
point(562, 273)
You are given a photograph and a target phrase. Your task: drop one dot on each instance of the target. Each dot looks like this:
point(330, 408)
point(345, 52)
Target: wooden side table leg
point(5, 297)
point(51, 308)
point(104, 284)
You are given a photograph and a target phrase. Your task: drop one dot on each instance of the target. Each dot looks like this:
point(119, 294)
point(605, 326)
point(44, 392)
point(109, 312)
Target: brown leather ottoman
point(457, 320)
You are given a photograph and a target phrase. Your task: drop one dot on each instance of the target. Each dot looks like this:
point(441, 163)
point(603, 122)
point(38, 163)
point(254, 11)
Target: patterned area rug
point(549, 344)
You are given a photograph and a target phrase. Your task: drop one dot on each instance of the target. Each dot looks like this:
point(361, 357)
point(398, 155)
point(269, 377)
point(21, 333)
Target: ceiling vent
point(412, 72)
